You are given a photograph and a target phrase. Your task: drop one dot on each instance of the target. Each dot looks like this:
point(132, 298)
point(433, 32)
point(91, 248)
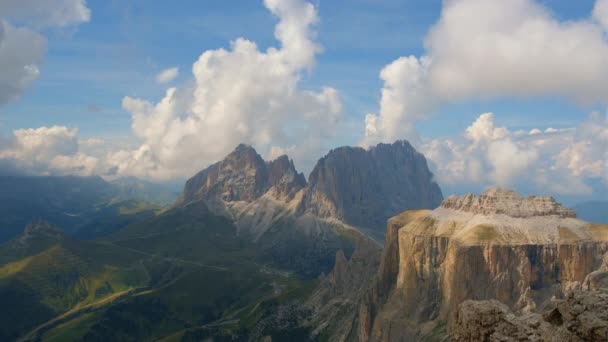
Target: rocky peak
point(244, 176)
point(283, 177)
point(366, 187)
point(507, 202)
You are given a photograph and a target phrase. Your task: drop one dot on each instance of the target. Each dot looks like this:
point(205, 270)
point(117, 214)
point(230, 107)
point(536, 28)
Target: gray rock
point(366, 187)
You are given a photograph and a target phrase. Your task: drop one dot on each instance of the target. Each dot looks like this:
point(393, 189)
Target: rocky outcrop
point(365, 187)
point(499, 245)
point(582, 316)
point(507, 202)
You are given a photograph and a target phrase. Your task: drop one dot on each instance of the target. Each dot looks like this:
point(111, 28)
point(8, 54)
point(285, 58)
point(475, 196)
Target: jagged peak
point(507, 202)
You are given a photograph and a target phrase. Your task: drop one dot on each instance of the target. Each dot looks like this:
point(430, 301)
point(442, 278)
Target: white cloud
point(405, 99)
point(91, 142)
point(487, 155)
point(46, 150)
point(482, 49)
point(44, 13)
point(558, 161)
point(484, 129)
point(22, 49)
point(238, 95)
point(167, 75)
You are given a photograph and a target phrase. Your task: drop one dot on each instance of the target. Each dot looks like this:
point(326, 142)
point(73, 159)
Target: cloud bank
point(51, 150)
point(487, 49)
point(557, 161)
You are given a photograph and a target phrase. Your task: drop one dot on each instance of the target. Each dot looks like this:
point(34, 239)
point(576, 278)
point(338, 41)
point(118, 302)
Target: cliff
point(365, 187)
point(499, 245)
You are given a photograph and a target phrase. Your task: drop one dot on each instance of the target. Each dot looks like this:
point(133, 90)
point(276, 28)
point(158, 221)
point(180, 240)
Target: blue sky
point(93, 63)
point(89, 69)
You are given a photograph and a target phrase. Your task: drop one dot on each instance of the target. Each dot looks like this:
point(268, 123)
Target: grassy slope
point(215, 281)
point(200, 280)
point(65, 275)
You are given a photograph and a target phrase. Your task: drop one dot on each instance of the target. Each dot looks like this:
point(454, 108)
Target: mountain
point(365, 187)
point(297, 223)
point(60, 200)
point(133, 188)
point(499, 245)
point(86, 206)
point(242, 255)
point(593, 211)
point(244, 176)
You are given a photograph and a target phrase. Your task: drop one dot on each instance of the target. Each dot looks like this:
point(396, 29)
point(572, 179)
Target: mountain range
point(364, 249)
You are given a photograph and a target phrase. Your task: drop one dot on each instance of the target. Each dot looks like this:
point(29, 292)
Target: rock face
point(507, 202)
point(499, 245)
point(335, 301)
point(365, 187)
point(359, 187)
point(582, 316)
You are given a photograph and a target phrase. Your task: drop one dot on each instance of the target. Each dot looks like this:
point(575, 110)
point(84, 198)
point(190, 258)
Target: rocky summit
point(497, 246)
point(507, 202)
point(244, 176)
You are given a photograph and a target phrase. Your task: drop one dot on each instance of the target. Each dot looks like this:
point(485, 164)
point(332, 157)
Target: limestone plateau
point(525, 254)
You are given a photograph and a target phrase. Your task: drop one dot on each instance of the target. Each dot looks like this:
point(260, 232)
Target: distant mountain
point(60, 200)
point(593, 211)
point(70, 202)
point(133, 188)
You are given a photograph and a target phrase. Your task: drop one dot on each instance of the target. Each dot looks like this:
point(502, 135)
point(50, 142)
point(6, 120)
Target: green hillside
point(177, 273)
point(56, 273)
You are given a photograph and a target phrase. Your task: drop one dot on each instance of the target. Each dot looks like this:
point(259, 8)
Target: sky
point(493, 92)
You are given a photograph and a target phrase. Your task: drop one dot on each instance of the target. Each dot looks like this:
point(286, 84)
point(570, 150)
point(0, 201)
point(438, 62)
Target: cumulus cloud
point(22, 49)
point(557, 161)
point(167, 75)
point(240, 94)
point(493, 49)
point(46, 151)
